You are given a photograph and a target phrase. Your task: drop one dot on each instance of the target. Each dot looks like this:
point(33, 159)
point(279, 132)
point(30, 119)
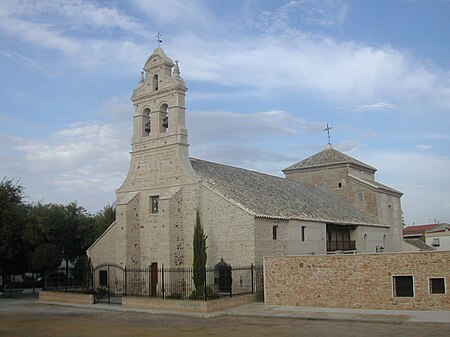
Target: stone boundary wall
point(356, 281)
point(70, 297)
point(186, 305)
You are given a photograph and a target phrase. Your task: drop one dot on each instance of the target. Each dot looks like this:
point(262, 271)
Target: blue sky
point(264, 78)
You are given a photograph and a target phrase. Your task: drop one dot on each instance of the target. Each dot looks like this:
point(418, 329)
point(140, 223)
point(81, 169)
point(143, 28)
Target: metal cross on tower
point(158, 38)
point(327, 129)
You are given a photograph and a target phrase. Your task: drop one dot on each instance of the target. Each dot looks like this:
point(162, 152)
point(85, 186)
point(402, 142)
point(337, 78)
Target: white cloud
point(340, 72)
point(423, 147)
point(210, 126)
point(177, 13)
point(374, 106)
point(304, 13)
point(86, 161)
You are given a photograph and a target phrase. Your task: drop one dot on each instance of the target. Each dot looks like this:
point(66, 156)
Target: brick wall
point(356, 281)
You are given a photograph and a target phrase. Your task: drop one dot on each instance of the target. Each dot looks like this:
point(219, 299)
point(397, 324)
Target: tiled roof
point(419, 228)
point(375, 184)
point(274, 197)
point(419, 244)
point(328, 157)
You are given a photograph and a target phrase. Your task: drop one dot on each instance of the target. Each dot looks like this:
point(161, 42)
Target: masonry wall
point(104, 251)
point(229, 228)
point(356, 281)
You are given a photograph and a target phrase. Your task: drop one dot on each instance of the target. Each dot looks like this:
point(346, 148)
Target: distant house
point(439, 237)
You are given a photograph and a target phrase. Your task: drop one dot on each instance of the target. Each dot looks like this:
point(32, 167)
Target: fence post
point(125, 282)
point(109, 294)
point(206, 296)
point(253, 289)
point(93, 280)
point(162, 277)
point(231, 281)
point(67, 272)
point(149, 281)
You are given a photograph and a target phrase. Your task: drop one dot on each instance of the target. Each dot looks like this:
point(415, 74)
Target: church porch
point(339, 238)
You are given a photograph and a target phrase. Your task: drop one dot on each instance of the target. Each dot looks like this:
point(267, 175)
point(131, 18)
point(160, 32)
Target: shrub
point(199, 293)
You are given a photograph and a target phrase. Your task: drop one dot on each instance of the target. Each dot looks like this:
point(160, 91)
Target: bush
point(199, 293)
point(101, 292)
point(174, 296)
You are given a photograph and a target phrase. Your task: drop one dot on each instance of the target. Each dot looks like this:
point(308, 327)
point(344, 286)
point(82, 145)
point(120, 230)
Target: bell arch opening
point(146, 122)
point(164, 116)
point(155, 82)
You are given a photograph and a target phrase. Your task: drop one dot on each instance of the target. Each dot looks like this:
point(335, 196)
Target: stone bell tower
point(152, 205)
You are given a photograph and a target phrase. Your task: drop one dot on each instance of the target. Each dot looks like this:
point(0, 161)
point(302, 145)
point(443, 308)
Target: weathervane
point(327, 129)
point(158, 38)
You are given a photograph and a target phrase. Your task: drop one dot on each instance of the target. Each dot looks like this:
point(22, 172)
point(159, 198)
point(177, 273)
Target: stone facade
point(355, 181)
point(356, 281)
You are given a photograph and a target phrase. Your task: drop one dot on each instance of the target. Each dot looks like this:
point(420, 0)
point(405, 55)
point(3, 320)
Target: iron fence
point(110, 282)
point(333, 246)
point(68, 279)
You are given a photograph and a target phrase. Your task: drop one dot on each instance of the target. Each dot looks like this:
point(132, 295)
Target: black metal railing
point(333, 246)
point(110, 282)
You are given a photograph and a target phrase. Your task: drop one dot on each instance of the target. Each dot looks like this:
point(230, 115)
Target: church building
point(329, 203)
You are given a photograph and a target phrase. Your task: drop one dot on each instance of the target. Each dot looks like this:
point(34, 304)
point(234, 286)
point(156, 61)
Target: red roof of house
point(419, 228)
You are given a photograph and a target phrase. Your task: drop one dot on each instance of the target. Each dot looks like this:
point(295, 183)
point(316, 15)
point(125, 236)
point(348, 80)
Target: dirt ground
point(25, 318)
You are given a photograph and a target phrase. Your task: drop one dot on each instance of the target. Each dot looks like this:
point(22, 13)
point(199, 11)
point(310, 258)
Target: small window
point(437, 285)
point(155, 82)
point(275, 232)
point(154, 203)
point(103, 278)
point(403, 286)
point(303, 233)
point(436, 242)
point(339, 185)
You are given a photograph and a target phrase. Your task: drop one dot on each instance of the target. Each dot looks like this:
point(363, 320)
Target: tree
point(46, 257)
point(199, 246)
point(105, 218)
point(14, 250)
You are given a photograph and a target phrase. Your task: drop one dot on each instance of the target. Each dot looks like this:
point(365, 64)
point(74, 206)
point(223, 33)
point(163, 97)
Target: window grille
point(437, 285)
point(403, 286)
point(155, 202)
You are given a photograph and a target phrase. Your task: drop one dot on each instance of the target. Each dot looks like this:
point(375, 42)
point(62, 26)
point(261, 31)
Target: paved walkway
point(263, 310)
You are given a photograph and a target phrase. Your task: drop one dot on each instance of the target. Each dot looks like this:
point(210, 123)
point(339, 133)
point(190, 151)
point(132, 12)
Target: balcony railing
point(333, 246)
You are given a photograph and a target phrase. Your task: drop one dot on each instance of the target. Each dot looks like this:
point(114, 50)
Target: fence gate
point(109, 282)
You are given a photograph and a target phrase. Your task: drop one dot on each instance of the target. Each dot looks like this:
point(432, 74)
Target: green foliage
point(26, 227)
point(46, 257)
point(69, 227)
point(105, 218)
point(101, 292)
point(199, 246)
point(199, 293)
point(82, 269)
point(14, 250)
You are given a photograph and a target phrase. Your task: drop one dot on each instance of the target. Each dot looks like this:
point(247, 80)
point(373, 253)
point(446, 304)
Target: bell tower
point(151, 207)
point(159, 103)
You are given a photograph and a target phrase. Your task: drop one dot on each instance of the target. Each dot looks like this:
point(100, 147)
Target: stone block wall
point(229, 228)
point(104, 249)
point(356, 281)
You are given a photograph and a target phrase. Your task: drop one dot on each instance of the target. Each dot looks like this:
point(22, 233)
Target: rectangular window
point(303, 233)
point(437, 285)
point(403, 286)
point(275, 232)
point(154, 203)
point(436, 242)
point(103, 278)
